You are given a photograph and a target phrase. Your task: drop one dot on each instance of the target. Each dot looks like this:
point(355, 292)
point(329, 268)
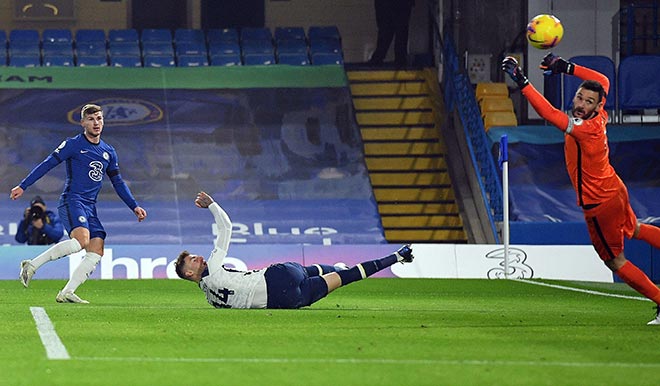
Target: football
point(544, 32)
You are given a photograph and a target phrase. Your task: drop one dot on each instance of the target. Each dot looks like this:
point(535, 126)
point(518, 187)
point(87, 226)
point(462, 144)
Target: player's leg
point(322, 269)
point(365, 269)
point(607, 225)
point(648, 233)
point(87, 264)
point(73, 218)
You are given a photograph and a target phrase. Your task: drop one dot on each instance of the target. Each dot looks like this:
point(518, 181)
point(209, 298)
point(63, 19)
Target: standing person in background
point(87, 159)
point(39, 226)
point(392, 20)
point(601, 194)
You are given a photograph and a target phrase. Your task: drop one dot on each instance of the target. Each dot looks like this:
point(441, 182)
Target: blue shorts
point(289, 286)
point(76, 214)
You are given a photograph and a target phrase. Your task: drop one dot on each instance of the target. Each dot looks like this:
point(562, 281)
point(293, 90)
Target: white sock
point(82, 272)
point(57, 251)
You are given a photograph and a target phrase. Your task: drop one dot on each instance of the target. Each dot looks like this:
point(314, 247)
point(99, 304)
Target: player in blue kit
point(87, 159)
point(282, 285)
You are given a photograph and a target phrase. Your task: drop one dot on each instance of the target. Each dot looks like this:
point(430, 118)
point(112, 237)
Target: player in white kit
point(282, 285)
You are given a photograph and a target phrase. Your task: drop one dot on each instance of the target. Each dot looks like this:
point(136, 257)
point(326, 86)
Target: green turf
point(374, 332)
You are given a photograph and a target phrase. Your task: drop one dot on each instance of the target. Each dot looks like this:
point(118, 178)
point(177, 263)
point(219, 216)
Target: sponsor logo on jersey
point(96, 171)
point(122, 112)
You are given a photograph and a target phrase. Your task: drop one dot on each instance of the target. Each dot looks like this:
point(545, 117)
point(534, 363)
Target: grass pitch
point(374, 332)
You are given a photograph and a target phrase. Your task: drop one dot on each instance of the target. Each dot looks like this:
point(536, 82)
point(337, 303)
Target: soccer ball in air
point(544, 32)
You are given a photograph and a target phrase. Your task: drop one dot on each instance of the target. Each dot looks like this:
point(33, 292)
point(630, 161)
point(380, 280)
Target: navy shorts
point(76, 214)
point(289, 286)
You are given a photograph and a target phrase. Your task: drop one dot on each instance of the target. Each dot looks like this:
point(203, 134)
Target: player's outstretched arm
point(535, 98)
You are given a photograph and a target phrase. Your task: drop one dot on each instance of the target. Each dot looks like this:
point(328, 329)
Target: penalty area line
point(51, 341)
point(586, 291)
point(383, 361)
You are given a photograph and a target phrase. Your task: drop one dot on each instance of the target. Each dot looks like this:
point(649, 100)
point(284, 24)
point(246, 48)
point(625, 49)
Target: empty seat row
point(297, 59)
point(290, 47)
point(190, 47)
point(65, 36)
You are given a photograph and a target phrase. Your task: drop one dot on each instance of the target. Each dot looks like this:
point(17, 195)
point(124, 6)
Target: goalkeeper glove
point(511, 67)
point(553, 64)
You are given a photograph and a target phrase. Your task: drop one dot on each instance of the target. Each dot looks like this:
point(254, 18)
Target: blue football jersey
point(86, 163)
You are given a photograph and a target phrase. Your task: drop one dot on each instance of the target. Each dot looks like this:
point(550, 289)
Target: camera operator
point(39, 226)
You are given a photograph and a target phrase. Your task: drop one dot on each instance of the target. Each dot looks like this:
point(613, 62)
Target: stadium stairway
point(397, 113)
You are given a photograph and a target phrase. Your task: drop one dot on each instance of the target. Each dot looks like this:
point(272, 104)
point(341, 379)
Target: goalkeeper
point(601, 194)
point(282, 285)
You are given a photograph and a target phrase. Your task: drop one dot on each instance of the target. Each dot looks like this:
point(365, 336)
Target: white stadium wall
point(442, 261)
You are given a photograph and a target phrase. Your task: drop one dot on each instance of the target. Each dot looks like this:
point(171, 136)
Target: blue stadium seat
point(24, 35)
point(57, 36)
point(224, 47)
point(96, 36)
point(123, 35)
point(323, 32)
point(190, 35)
point(192, 61)
point(232, 59)
point(24, 48)
point(3, 38)
point(552, 89)
point(92, 60)
point(639, 82)
point(156, 35)
point(222, 35)
point(294, 59)
point(157, 48)
point(24, 61)
point(124, 48)
point(58, 44)
point(258, 59)
point(602, 64)
point(325, 46)
point(289, 33)
point(327, 58)
point(256, 33)
point(257, 47)
point(90, 48)
point(159, 61)
point(57, 48)
point(126, 61)
point(291, 46)
point(3, 56)
point(58, 60)
point(191, 48)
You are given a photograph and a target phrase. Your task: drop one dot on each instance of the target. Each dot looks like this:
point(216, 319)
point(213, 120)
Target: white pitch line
point(591, 292)
point(54, 347)
point(379, 361)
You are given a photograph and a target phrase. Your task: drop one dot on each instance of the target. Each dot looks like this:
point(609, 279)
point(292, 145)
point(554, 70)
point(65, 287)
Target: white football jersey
point(226, 287)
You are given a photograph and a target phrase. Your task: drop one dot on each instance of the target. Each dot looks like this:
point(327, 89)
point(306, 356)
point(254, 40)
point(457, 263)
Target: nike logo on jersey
point(83, 151)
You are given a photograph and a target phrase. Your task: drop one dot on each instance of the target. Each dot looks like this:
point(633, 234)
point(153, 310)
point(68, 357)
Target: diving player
point(282, 285)
point(600, 192)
